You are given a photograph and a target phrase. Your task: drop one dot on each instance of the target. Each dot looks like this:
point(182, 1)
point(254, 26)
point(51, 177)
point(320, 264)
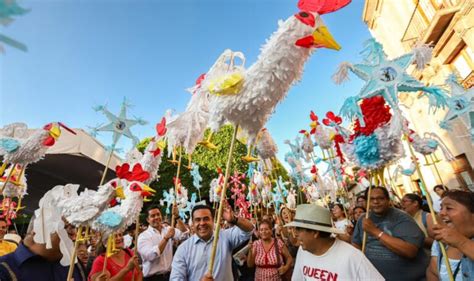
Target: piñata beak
point(147, 191)
point(119, 192)
point(55, 131)
point(161, 144)
point(323, 39)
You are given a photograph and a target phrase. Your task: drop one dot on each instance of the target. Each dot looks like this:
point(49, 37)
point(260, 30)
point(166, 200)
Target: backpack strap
point(4, 267)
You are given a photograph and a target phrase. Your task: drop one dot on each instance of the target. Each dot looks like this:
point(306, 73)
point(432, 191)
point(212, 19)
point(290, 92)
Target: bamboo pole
point(176, 187)
point(436, 168)
point(346, 193)
point(109, 246)
point(3, 167)
point(432, 212)
point(7, 179)
point(393, 184)
point(135, 250)
point(74, 254)
point(367, 210)
point(221, 205)
point(107, 165)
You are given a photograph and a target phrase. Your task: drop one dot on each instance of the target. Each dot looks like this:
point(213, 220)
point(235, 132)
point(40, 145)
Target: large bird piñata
point(247, 97)
point(120, 216)
point(18, 149)
point(48, 220)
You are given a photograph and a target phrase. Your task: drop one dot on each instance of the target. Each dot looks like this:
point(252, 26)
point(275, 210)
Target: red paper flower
point(137, 173)
point(332, 119)
point(376, 114)
point(122, 171)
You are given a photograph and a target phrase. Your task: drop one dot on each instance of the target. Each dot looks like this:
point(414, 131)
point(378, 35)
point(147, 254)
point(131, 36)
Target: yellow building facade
point(448, 26)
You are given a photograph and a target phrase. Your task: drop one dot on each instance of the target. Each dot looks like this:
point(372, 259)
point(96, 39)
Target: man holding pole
point(155, 245)
point(192, 257)
point(394, 240)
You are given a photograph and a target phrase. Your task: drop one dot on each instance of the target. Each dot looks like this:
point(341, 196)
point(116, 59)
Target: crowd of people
point(400, 241)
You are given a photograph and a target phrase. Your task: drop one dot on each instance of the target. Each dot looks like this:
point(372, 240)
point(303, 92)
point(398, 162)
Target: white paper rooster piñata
point(81, 210)
point(248, 97)
point(123, 215)
point(25, 150)
point(48, 220)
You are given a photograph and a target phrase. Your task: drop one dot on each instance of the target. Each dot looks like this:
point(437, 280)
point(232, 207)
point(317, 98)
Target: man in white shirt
point(321, 257)
point(155, 245)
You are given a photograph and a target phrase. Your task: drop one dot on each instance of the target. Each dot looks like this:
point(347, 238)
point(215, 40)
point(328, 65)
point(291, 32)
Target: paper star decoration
point(9, 9)
point(386, 78)
point(119, 125)
point(461, 103)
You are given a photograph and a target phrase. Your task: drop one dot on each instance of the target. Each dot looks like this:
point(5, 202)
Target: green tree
point(208, 160)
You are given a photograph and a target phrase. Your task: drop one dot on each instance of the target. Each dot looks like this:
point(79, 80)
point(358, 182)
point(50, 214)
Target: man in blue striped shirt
point(192, 257)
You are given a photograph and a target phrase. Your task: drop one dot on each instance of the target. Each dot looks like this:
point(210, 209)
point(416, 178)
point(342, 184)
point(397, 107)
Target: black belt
point(160, 274)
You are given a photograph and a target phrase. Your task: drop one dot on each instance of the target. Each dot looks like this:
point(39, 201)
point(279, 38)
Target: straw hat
point(311, 216)
point(11, 237)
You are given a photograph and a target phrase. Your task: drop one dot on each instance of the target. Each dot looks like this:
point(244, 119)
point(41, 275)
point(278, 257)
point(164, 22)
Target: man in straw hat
point(322, 257)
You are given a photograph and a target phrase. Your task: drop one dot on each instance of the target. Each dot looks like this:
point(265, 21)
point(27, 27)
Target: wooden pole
point(430, 205)
point(221, 205)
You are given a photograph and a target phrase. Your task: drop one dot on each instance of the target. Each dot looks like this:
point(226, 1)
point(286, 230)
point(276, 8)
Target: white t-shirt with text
point(340, 263)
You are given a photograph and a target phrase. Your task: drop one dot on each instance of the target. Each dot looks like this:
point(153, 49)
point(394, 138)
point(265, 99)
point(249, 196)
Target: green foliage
point(208, 161)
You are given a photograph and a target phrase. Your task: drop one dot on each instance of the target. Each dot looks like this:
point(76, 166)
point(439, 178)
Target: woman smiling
point(457, 232)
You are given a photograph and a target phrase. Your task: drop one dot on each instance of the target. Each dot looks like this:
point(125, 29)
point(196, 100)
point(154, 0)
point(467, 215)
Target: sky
point(84, 53)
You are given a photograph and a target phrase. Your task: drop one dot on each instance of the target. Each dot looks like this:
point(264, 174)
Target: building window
point(464, 62)
point(463, 171)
